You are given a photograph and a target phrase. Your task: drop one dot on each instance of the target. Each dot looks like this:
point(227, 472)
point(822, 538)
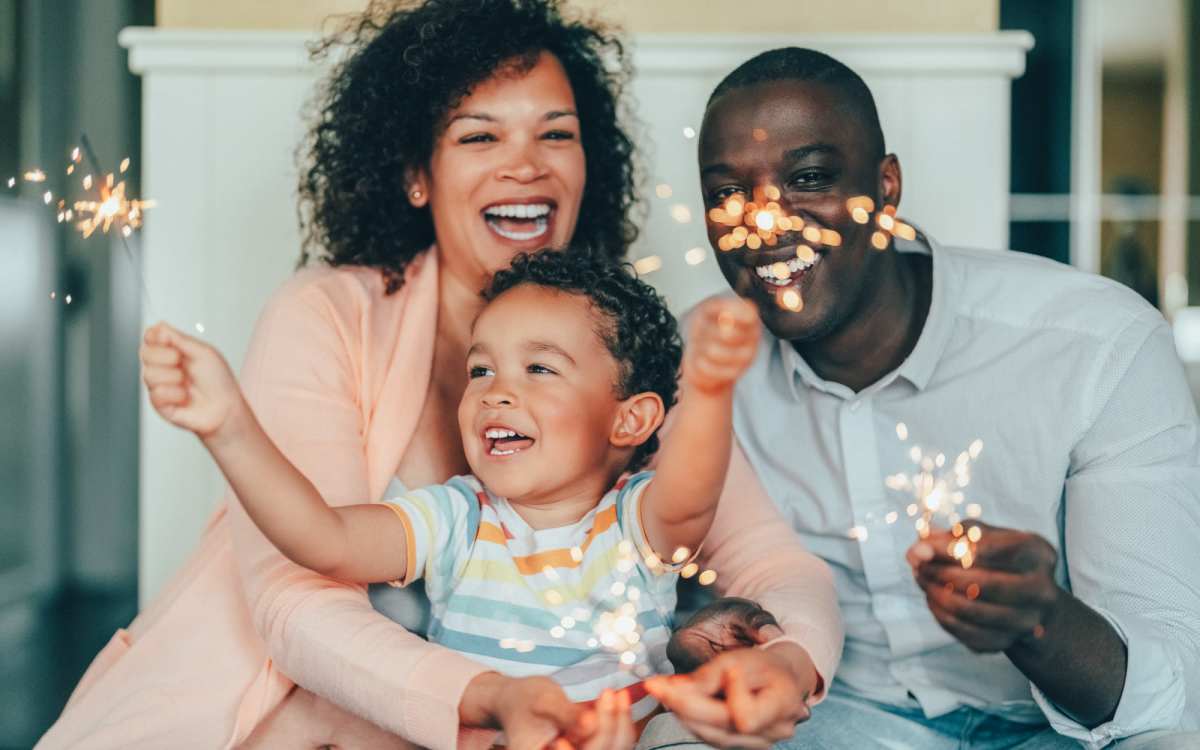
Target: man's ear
point(891, 181)
point(637, 419)
point(416, 183)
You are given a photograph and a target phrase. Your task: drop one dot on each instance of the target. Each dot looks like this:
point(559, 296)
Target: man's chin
point(798, 328)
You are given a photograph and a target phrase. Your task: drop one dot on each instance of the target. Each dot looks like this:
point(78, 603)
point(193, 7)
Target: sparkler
point(936, 490)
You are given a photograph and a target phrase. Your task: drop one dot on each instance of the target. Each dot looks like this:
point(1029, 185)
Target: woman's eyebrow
point(554, 114)
point(470, 116)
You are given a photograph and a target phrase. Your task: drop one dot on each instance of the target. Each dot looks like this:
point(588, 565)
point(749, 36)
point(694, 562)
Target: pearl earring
point(416, 195)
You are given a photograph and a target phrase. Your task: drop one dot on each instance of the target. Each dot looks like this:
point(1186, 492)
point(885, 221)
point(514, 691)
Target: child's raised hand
point(190, 383)
point(724, 337)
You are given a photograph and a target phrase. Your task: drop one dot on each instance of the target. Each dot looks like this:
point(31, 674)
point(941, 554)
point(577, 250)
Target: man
point(1079, 619)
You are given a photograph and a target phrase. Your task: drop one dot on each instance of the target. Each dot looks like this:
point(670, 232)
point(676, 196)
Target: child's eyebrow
point(546, 346)
point(476, 348)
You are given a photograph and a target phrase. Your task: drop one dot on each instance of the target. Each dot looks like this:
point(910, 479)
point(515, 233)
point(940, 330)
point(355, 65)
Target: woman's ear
point(637, 418)
point(417, 185)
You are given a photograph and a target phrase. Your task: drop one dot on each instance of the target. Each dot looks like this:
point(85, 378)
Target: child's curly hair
point(638, 329)
point(379, 114)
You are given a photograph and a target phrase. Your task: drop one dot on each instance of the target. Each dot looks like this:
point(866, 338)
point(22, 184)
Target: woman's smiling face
point(507, 171)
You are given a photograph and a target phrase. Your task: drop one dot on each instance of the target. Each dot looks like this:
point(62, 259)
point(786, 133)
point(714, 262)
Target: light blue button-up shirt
point(1090, 440)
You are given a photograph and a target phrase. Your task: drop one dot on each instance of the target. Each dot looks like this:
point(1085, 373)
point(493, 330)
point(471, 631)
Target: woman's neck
point(459, 302)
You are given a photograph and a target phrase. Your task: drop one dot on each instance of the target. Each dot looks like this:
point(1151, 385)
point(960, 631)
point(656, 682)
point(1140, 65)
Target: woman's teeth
point(518, 221)
point(783, 272)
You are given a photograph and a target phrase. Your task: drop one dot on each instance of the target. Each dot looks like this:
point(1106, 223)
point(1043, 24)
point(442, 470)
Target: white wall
point(222, 119)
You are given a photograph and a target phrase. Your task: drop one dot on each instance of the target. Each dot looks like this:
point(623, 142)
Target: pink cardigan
point(337, 372)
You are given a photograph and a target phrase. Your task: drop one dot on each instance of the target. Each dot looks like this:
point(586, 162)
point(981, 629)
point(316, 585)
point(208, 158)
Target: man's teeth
point(772, 272)
point(518, 210)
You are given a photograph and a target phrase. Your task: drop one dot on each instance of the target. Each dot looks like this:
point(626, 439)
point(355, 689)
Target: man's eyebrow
point(546, 346)
point(816, 148)
point(718, 168)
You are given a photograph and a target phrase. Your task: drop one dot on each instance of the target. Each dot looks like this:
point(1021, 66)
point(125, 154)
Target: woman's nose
point(524, 165)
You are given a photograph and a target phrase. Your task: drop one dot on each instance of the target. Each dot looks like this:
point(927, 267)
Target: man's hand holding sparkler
point(1008, 600)
point(1007, 595)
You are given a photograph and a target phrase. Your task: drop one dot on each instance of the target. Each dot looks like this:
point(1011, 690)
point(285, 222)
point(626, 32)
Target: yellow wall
point(798, 16)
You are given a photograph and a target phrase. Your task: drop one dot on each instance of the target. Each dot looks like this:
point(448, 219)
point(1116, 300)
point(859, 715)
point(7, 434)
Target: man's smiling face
point(807, 139)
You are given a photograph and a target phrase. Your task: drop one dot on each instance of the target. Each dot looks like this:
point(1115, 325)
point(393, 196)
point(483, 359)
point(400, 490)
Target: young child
point(550, 559)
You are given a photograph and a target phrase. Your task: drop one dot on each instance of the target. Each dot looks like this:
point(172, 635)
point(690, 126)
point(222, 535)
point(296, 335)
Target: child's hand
point(724, 338)
point(190, 383)
point(608, 725)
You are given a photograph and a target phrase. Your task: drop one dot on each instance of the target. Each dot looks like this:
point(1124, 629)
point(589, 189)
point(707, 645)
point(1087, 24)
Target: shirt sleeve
point(629, 511)
point(1132, 518)
point(758, 556)
point(301, 378)
point(435, 520)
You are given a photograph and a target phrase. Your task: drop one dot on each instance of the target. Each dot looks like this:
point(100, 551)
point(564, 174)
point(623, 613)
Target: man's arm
point(679, 505)
point(1120, 653)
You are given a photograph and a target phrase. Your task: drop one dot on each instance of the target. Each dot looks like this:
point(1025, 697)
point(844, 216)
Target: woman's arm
point(301, 377)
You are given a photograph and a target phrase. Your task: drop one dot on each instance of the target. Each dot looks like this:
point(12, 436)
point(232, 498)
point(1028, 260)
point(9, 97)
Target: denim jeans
point(847, 722)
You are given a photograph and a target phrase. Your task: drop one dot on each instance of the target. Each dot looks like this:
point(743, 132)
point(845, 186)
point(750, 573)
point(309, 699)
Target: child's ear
point(637, 419)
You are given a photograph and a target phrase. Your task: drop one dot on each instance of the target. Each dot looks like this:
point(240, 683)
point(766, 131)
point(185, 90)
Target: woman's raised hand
point(190, 383)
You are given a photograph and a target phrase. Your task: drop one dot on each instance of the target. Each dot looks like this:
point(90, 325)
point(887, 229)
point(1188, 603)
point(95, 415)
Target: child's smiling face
point(542, 405)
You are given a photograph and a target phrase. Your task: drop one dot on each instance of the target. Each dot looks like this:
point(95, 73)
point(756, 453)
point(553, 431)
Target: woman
point(455, 135)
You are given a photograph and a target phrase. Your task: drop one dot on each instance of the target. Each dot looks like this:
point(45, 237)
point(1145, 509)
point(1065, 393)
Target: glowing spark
point(680, 554)
point(859, 533)
point(577, 554)
point(812, 234)
point(76, 155)
point(974, 510)
point(707, 577)
point(648, 264)
point(67, 299)
point(87, 182)
point(879, 240)
point(689, 132)
point(617, 588)
point(553, 597)
point(663, 190)
point(200, 328)
point(689, 570)
point(791, 300)
point(628, 658)
point(681, 213)
point(891, 517)
point(12, 182)
point(35, 175)
point(47, 197)
point(974, 533)
point(695, 256)
point(859, 215)
point(52, 295)
point(759, 134)
point(124, 165)
point(902, 431)
point(805, 253)
point(780, 270)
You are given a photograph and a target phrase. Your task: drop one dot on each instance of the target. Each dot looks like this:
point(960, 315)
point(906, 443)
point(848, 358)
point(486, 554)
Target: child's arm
point(192, 387)
point(679, 504)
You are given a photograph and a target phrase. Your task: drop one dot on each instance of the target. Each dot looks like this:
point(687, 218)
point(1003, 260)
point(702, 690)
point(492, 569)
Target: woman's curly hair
point(637, 328)
point(383, 107)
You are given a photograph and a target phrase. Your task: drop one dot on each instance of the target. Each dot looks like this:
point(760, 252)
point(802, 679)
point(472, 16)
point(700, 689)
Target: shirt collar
point(920, 364)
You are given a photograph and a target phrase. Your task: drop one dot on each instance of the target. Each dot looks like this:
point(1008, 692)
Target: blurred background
point(1079, 141)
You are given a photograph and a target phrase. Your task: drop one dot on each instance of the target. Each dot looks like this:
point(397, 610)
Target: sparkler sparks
point(936, 490)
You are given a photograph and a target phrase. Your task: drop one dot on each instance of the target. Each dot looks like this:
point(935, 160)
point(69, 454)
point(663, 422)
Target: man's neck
point(883, 331)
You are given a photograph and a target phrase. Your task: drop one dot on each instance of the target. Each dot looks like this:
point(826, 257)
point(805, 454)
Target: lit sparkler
point(936, 491)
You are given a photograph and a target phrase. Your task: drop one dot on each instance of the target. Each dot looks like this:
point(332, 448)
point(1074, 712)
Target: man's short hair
point(801, 64)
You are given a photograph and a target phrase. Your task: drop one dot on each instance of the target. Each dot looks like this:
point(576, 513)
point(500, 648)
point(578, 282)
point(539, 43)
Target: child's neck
point(565, 505)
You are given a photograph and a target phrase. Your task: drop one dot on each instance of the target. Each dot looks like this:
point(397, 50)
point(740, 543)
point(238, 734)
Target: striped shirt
point(586, 604)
